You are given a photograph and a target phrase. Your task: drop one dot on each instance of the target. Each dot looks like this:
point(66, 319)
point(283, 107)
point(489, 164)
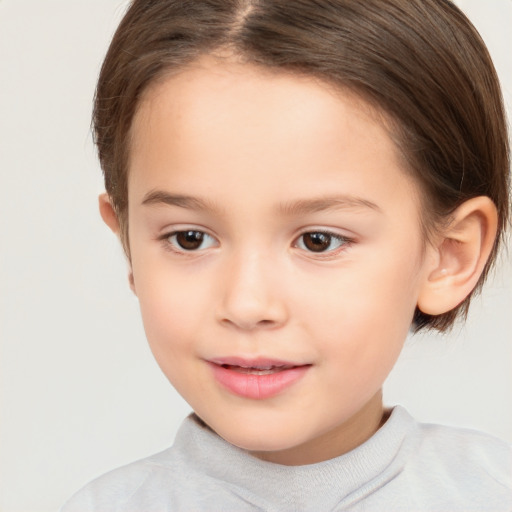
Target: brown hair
point(421, 61)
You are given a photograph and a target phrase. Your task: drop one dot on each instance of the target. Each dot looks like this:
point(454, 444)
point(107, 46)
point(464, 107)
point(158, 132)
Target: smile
point(257, 379)
point(257, 371)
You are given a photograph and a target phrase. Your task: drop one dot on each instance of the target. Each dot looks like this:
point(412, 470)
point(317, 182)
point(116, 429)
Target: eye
point(321, 241)
point(190, 240)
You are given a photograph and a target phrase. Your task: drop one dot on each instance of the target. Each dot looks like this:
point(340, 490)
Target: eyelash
point(177, 248)
point(342, 241)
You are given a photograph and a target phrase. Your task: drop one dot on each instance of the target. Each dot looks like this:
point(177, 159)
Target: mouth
point(258, 370)
point(258, 378)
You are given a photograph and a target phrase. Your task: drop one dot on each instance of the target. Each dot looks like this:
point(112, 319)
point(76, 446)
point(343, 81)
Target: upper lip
point(260, 363)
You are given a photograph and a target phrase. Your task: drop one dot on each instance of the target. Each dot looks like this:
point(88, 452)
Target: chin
point(254, 436)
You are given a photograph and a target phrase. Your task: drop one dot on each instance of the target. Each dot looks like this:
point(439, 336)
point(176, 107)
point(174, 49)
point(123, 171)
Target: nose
point(252, 294)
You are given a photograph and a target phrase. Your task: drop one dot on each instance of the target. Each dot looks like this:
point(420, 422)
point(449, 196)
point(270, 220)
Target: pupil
point(190, 240)
point(317, 242)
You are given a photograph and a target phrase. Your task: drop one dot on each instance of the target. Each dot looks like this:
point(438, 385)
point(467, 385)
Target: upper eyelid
point(338, 236)
point(171, 232)
point(164, 239)
point(326, 231)
point(167, 233)
point(345, 243)
point(175, 232)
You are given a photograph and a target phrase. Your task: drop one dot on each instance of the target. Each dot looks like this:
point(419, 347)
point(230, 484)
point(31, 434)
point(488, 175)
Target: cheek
point(370, 296)
point(360, 350)
point(362, 317)
point(171, 321)
point(171, 307)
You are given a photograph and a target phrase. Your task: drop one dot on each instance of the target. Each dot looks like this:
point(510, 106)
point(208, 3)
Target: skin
point(262, 159)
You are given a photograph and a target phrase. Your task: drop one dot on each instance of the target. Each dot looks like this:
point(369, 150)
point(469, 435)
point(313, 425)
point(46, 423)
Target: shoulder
point(459, 468)
point(443, 468)
point(173, 478)
point(469, 451)
point(119, 488)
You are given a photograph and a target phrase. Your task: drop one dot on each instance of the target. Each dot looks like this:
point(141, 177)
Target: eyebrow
point(159, 197)
point(304, 206)
point(300, 207)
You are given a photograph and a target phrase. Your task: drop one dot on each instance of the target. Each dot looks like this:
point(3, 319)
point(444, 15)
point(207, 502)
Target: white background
point(80, 393)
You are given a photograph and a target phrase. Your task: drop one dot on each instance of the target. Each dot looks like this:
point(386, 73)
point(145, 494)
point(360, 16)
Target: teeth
point(254, 371)
point(263, 370)
point(258, 367)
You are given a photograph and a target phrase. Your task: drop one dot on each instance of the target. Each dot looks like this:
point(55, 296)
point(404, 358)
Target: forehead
point(222, 119)
point(212, 89)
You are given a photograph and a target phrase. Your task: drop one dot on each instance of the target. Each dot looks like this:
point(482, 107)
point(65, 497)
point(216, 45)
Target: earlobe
point(108, 213)
point(459, 256)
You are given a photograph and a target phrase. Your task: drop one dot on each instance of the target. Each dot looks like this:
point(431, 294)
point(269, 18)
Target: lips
point(257, 371)
point(256, 379)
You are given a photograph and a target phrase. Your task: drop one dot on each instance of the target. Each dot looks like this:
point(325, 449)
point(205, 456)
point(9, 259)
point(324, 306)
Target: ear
point(108, 213)
point(458, 257)
point(109, 216)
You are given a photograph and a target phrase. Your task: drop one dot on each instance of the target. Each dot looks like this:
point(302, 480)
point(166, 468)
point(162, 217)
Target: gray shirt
point(405, 466)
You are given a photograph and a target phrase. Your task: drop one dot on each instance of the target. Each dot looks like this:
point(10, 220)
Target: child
point(295, 185)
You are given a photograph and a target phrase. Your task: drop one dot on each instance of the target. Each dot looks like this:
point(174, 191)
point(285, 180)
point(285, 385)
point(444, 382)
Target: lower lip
point(257, 387)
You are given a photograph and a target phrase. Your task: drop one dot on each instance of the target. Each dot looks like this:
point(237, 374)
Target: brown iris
point(189, 240)
point(317, 242)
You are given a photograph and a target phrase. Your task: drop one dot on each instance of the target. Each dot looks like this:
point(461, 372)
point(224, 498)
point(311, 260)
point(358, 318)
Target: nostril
point(249, 325)
point(251, 307)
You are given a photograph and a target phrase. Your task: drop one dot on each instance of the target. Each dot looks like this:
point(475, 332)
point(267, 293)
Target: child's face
point(271, 226)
